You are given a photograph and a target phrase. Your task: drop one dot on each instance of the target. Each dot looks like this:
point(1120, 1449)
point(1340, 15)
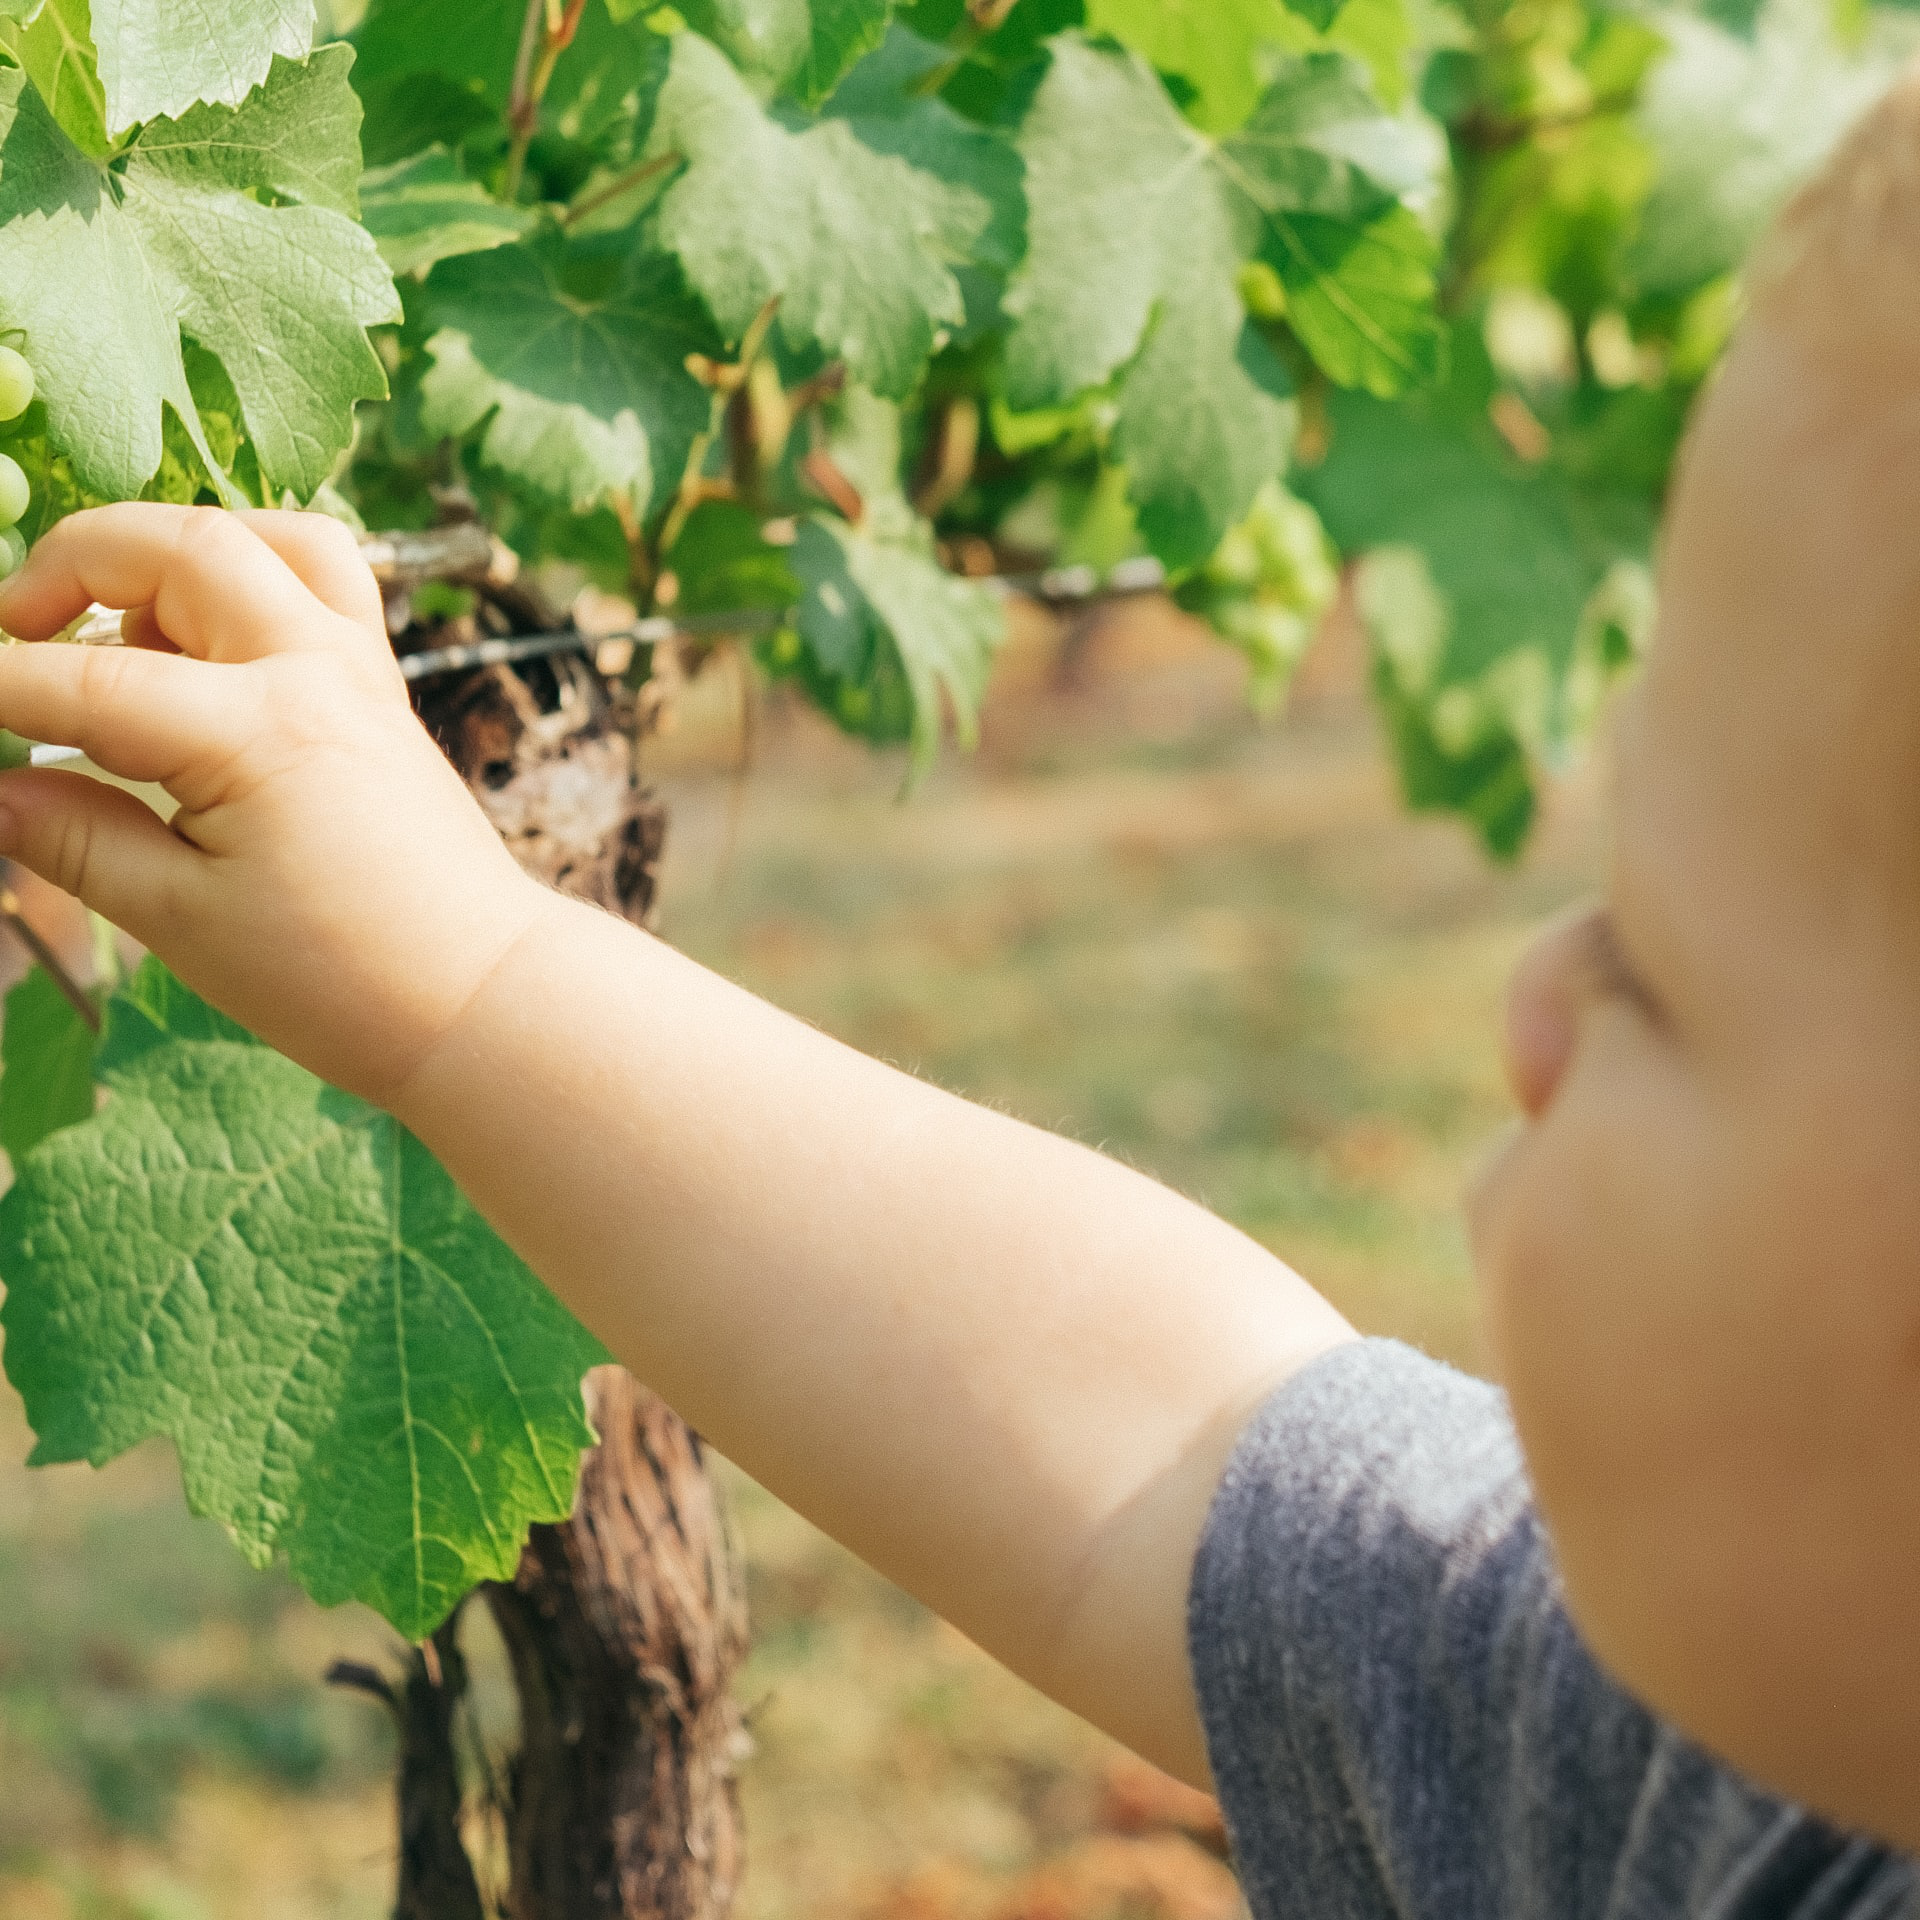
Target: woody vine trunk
point(625, 1625)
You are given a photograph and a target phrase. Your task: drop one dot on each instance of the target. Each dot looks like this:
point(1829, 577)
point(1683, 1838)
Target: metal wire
point(1056, 586)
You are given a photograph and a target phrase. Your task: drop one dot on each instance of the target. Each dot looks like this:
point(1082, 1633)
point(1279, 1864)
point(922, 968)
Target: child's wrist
point(438, 1074)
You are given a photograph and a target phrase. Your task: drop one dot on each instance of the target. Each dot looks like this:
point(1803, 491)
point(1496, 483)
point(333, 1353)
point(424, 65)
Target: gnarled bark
point(625, 1627)
point(626, 1624)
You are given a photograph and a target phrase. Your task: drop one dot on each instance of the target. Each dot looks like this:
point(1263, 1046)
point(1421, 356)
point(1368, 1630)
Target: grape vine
point(786, 320)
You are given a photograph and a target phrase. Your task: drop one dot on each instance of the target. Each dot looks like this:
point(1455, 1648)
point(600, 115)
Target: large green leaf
point(1136, 239)
point(575, 353)
point(46, 1052)
point(885, 638)
point(427, 76)
point(1322, 175)
point(974, 176)
point(895, 640)
point(161, 56)
point(800, 47)
point(55, 46)
point(423, 209)
point(1139, 227)
point(355, 1371)
point(1212, 45)
point(231, 225)
point(857, 246)
point(1494, 589)
point(1737, 124)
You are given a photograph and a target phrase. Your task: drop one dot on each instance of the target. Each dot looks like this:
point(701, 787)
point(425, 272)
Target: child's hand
point(327, 880)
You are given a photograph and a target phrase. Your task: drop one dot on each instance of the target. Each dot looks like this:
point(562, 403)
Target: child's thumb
point(99, 843)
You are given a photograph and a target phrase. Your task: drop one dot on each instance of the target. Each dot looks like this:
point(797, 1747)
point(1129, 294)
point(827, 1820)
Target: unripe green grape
point(13, 552)
point(15, 495)
point(14, 752)
point(16, 384)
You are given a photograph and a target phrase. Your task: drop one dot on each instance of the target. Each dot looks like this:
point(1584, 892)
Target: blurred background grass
point(1215, 949)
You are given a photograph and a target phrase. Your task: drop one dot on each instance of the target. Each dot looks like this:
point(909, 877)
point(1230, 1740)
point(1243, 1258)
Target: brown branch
point(356, 1677)
point(35, 943)
point(947, 464)
point(828, 384)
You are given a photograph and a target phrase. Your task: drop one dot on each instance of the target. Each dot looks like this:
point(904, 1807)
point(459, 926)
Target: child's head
point(1702, 1254)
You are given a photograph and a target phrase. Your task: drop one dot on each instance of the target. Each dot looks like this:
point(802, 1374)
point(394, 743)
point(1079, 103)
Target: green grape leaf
point(424, 209)
point(46, 1065)
point(1362, 299)
point(1736, 125)
point(1322, 143)
point(723, 562)
point(1212, 45)
point(856, 245)
point(295, 136)
point(103, 275)
point(843, 31)
point(424, 83)
point(1133, 241)
point(894, 638)
point(1139, 228)
point(798, 47)
point(159, 57)
point(56, 48)
point(578, 352)
point(1378, 33)
point(974, 177)
point(1483, 587)
point(1322, 171)
point(355, 1371)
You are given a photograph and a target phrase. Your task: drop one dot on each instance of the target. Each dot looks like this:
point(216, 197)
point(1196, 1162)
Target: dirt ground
point(1216, 949)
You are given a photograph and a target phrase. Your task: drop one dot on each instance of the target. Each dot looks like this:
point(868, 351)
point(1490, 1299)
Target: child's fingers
point(327, 558)
point(97, 842)
point(139, 628)
point(216, 588)
point(141, 715)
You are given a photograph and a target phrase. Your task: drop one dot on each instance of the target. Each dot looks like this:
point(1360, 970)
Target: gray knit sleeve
point(1401, 1718)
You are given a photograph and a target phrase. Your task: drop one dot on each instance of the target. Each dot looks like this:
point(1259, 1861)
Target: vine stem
point(545, 34)
point(625, 182)
point(726, 382)
point(522, 109)
point(35, 943)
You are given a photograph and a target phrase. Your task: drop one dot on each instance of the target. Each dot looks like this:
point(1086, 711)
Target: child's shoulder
point(1401, 1718)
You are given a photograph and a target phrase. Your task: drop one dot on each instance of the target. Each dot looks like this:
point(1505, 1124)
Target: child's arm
point(1001, 1368)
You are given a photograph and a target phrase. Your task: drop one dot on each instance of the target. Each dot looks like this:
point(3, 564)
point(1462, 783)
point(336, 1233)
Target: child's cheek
point(1582, 1244)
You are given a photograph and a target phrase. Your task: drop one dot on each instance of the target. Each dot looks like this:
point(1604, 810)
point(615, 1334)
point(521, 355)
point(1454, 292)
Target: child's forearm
point(1004, 1370)
point(1001, 1368)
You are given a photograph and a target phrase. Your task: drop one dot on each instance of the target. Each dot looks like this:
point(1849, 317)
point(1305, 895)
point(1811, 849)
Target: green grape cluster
point(16, 395)
point(1267, 588)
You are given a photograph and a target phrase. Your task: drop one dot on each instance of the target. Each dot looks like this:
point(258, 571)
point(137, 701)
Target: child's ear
point(1841, 266)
